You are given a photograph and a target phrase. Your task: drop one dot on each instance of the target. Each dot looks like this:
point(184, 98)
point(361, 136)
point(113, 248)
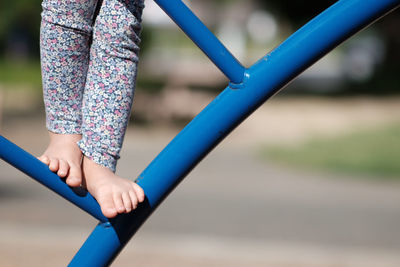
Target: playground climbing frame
point(247, 90)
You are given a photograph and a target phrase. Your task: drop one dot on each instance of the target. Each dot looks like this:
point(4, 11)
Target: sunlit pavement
point(232, 210)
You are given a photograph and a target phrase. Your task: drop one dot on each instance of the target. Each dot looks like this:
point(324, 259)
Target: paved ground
point(232, 210)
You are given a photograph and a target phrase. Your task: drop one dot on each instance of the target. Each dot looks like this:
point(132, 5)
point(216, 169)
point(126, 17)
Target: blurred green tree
point(385, 79)
point(20, 23)
point(20, 19)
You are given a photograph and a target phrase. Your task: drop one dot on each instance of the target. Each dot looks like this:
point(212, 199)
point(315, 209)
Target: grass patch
point(375, 153)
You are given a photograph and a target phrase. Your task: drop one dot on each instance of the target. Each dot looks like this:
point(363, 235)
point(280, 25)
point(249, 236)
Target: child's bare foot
point(113, 193)
point(64, 157)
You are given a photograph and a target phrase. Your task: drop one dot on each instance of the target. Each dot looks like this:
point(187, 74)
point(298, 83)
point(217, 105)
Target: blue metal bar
point(104, 235)
point(262, 80)
point(34, 168)
point(227, 111)
point(203, 38)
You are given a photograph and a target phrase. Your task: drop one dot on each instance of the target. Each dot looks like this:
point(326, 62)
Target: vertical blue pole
point(227, 111)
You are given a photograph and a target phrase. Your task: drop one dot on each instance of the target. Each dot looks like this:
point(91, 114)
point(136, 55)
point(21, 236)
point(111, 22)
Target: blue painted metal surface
point(227, 111)
point(203, 38)
point(105, 236)
point(31, 166)
point(216, 121)
point(262, 80)
point(108, 239)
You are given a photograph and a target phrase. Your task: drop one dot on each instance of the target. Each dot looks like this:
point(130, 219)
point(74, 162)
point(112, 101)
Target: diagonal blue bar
point(34, 168)
point(203, 38)
point(226, 112)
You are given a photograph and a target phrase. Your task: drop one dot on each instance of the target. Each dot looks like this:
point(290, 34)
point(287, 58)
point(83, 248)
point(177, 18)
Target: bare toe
point(107, 205)
point(139, 192)
point(127, 201)
point(75, 176)
point(63, 168)
point(53, 166)
point(45, 159)
point(133, 198)
point(119, 205)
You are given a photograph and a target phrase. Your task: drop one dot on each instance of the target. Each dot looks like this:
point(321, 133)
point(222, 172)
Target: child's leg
point(107, 103)
point(64, 41)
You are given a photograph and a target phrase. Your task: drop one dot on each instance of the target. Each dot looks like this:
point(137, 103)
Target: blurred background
point(310, 179)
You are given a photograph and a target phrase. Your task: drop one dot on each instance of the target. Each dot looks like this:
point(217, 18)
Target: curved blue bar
point(34, 168)
point(105, 236)
point(261, 81)
point(203, 38)
point(233, 105)
point(315, 39)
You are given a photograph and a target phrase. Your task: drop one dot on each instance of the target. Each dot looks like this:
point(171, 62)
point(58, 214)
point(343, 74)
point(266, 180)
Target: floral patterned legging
point(89, 56)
